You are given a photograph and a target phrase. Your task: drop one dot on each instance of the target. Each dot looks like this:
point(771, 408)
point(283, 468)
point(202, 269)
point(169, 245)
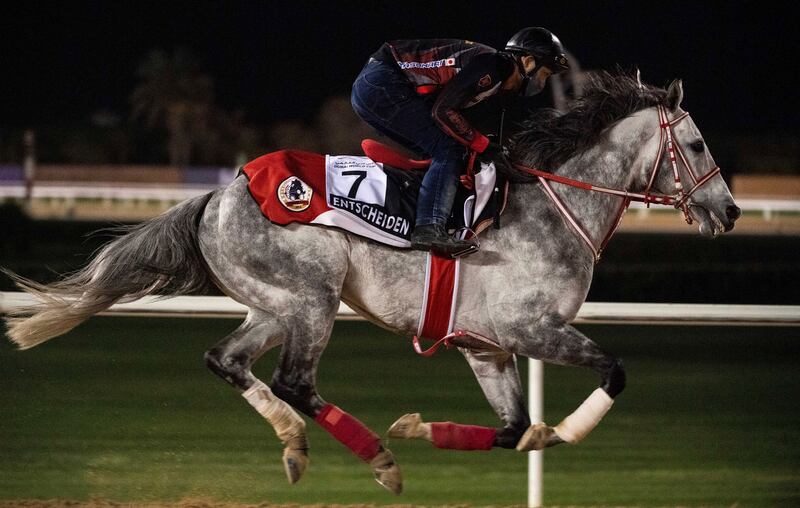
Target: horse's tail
point(161, 256)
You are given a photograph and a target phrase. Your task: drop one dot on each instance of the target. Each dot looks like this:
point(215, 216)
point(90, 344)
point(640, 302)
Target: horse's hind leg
point(293, 385)
point(232, 359)
point(559, 343)
point(295, 275)
point(295, 382)
point(499, 379)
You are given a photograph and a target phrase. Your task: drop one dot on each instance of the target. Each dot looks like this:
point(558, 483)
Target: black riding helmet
point(543, 45)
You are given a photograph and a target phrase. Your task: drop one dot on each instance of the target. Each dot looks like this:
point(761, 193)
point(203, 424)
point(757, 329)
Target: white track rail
point(123, 192)
point(591, 312)
point(766, 207)
point(170, 193)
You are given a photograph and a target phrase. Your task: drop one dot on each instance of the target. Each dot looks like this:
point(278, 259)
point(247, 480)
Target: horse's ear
point(675, 94)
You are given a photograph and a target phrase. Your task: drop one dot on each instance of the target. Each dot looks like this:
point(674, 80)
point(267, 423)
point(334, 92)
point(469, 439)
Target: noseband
point(680, 200)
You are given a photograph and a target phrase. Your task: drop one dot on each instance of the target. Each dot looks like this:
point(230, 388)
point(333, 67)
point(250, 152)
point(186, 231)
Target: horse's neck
point(616, 162)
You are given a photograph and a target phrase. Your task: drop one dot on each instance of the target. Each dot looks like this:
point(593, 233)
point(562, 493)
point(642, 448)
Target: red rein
point(680, 200)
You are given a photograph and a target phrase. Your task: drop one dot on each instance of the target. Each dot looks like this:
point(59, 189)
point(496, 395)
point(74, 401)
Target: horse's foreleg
point(560, 343)
point(294, 381)
point(498, 377)
point(232, 359)
point(446, 435)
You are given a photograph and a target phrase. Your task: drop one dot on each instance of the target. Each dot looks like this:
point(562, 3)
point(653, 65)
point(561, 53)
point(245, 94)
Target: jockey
point(414, 91)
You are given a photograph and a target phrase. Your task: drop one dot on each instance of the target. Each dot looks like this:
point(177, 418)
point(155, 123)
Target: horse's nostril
point(733, 212)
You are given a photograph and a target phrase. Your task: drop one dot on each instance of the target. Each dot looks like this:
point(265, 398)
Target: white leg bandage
point(286, 422)
point(577, 425)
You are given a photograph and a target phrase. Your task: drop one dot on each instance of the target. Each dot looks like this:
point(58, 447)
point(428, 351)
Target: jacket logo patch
point(294, 194)
point(444, 62)
point(485, 81)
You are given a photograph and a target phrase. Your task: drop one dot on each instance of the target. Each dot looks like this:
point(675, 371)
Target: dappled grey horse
point(622, 140)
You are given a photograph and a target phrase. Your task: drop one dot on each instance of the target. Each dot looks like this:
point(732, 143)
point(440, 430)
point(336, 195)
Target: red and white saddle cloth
point(366, 197)
point(348, 192)
point(371, 197)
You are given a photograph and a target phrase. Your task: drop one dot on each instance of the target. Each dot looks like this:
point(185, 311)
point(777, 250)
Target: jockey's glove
point(497, 153)
point(493, 149)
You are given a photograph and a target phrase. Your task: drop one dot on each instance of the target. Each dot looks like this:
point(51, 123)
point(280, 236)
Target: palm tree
point(173, 93)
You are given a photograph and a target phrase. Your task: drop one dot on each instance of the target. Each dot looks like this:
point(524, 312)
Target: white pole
point(29, 164)
point(536, 409)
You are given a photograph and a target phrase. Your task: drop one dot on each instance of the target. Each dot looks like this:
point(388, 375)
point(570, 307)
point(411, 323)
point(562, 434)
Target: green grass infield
point(123, 409)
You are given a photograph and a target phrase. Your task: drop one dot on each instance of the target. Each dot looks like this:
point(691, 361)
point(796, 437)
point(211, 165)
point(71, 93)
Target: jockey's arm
point(481, 78)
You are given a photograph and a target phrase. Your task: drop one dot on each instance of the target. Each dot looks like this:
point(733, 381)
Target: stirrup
point(453, 250)
point(469, 250)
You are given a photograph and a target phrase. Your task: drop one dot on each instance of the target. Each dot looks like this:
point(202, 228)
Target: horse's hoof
point(387, 472)
point(538, 437)
point(410, 426)
point(295, 458)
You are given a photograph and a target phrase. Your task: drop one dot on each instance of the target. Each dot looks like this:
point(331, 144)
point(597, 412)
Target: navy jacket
point(462, 73)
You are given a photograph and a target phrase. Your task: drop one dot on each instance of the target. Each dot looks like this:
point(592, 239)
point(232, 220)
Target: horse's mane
point(548, 138)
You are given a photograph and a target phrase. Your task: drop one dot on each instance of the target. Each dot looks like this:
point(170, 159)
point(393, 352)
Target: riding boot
point(433, 237)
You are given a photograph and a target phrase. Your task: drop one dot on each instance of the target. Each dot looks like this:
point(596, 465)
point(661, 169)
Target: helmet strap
point(518, 62)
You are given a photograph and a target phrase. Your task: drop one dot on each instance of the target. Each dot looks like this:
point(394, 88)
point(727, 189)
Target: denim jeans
point(386, 100)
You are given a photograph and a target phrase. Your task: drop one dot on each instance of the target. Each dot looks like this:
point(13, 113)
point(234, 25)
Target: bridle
point(680, 200)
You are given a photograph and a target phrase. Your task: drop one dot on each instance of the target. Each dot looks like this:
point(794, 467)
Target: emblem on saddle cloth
point(295, 194)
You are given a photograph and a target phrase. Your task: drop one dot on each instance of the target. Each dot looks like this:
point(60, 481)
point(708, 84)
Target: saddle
point(374, 196)
point(379, 152)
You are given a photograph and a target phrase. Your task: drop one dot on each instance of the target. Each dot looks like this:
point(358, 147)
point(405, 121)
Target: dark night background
point(122, 412)
point(275, 62)
point(61, 61)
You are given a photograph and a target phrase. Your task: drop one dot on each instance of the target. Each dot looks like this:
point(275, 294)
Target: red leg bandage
point(454, 436)
point(350, 432)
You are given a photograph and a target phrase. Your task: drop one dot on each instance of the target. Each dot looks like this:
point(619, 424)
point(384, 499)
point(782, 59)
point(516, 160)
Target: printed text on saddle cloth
point(357, 185)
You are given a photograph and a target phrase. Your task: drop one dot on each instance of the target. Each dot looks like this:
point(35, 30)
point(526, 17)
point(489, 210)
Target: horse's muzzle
point(732, 212)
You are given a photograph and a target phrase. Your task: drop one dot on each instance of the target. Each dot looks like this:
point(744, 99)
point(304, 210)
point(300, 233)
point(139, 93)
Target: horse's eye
point(698, 146)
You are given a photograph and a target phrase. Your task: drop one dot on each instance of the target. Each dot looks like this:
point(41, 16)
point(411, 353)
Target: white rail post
point(29, 164)
point(536, 409)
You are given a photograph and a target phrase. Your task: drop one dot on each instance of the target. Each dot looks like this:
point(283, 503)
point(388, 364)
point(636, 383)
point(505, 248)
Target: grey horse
point(521, 290)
